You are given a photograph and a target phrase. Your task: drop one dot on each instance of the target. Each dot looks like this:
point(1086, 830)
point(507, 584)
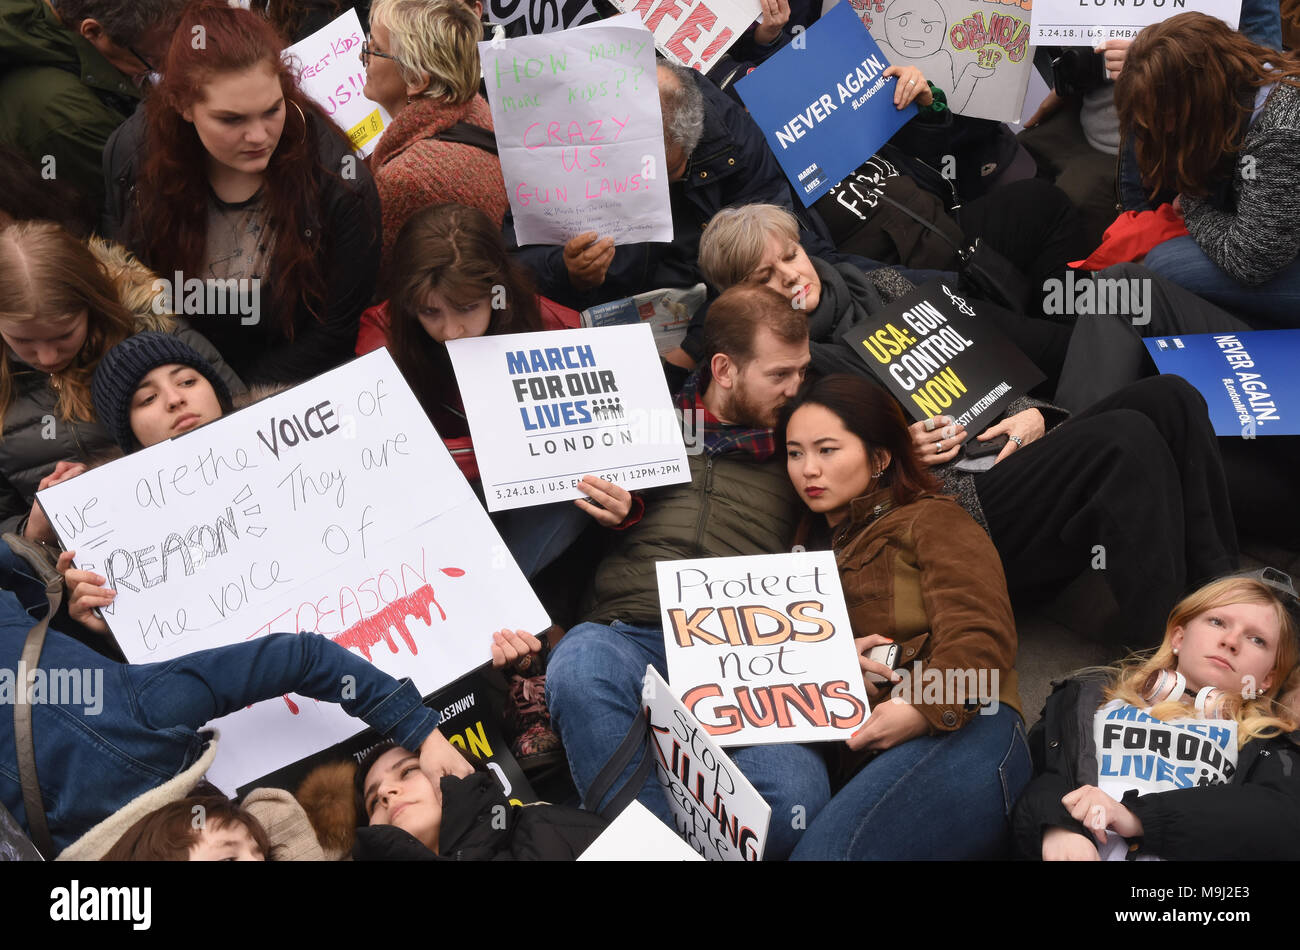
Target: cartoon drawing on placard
point(914, 34)
point(979, 58)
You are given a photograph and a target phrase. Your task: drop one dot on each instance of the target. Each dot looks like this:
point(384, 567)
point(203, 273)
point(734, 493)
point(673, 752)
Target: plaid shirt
point(721, 437)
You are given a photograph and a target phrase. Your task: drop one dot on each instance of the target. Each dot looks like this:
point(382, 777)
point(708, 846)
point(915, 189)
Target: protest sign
point(521, 17)
point(938, 356)
point(467, 719)
point(980, 58)
point(1248, 379)
point(716, 809)
point(331, 507)
point(637, 835)
point(1076, 23)
point(580, 133)
point(333, 76)
point(824, 106)
point(1136, 751)
point(694, 33)
point(760, 648)
point(545, 409)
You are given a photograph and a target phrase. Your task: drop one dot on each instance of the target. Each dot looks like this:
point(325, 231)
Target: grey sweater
point(1262, 234)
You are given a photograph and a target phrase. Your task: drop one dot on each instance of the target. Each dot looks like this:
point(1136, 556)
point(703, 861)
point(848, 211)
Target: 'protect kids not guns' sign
point(825, 106)
point(545, 409)
point(580, 133)
point(332, 507)
point(760, 648)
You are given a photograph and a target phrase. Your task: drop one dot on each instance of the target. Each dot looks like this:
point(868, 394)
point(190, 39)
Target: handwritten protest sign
point(332, 507)
point(580, 133)
point(545, 409)
point(760, 648)
point(936, 355)
point(1138, 751)
point(824, 107)
point(716, 809)
point(1248, 379)
point(333, 76)
point(637, 835)
point(1075, 23)
point(694, 33)
point(978, 53)
point(521, 17)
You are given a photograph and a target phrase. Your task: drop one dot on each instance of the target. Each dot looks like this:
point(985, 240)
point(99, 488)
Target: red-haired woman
point(236, 179)
point(1215, 118)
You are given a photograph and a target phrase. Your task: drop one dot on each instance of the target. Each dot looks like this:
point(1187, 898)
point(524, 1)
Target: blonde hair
point(733, 243)
point(48, 274)
point(1260, 717)
point(434, 38)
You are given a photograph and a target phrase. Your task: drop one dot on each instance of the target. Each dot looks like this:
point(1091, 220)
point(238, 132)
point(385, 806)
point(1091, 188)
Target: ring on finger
point(1016, 439)
point(938, 446)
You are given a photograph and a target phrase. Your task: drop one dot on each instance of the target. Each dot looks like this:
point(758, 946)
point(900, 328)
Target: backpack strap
point(24, 740)
point(624, 755)
point(465, 133)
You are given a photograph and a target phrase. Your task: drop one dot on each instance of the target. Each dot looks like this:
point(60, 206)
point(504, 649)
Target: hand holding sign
point(587, 258)
point(911, 87)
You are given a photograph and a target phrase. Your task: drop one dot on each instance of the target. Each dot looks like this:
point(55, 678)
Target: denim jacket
point(133, 727)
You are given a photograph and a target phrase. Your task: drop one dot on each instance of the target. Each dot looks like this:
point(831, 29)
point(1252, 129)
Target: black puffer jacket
point(1256, 816)
point(470, 833)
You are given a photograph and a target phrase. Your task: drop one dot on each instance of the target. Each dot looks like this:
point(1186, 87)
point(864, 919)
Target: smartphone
point(887, 654)
point(975, 449)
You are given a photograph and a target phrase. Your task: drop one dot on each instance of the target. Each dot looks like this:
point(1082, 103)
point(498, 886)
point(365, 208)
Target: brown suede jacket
point(927, 576)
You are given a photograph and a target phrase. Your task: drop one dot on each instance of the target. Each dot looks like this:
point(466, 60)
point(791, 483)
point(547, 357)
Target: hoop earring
point(303, 117)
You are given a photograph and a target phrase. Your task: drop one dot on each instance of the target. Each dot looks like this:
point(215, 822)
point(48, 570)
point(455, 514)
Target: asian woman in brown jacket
point(939, 764)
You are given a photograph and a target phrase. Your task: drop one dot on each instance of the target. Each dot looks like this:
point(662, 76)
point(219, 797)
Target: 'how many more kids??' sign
point(580, 133)
point(332, 507)
point(546, 409)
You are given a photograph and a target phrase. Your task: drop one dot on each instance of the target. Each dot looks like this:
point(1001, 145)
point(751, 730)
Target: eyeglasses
point(367, 52)
point(147, 65)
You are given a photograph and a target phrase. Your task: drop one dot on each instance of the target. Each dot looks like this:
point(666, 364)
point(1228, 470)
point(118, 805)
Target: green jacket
point(58, 95)
point(732, 506)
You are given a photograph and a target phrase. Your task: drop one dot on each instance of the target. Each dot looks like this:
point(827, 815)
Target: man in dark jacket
point(739, 502)
point(72, 73)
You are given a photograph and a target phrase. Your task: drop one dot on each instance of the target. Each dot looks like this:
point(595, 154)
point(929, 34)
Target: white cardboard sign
point(760, 648)
point(694, 33)
point(637, 835)
point(547, 408)
point(718, 812)
point(333, 76)
point(979, 54)
point(1075, 23)
point(580, 133)
point(332, 507)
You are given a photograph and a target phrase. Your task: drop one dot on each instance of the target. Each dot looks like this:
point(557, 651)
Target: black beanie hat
point(120, 370)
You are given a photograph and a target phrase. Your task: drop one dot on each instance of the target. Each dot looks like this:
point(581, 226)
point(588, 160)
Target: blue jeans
point(947, 796)
point(18, 577)
point(1276, 301)
point(593, 689)
point(537, 536)
point(133, 727)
